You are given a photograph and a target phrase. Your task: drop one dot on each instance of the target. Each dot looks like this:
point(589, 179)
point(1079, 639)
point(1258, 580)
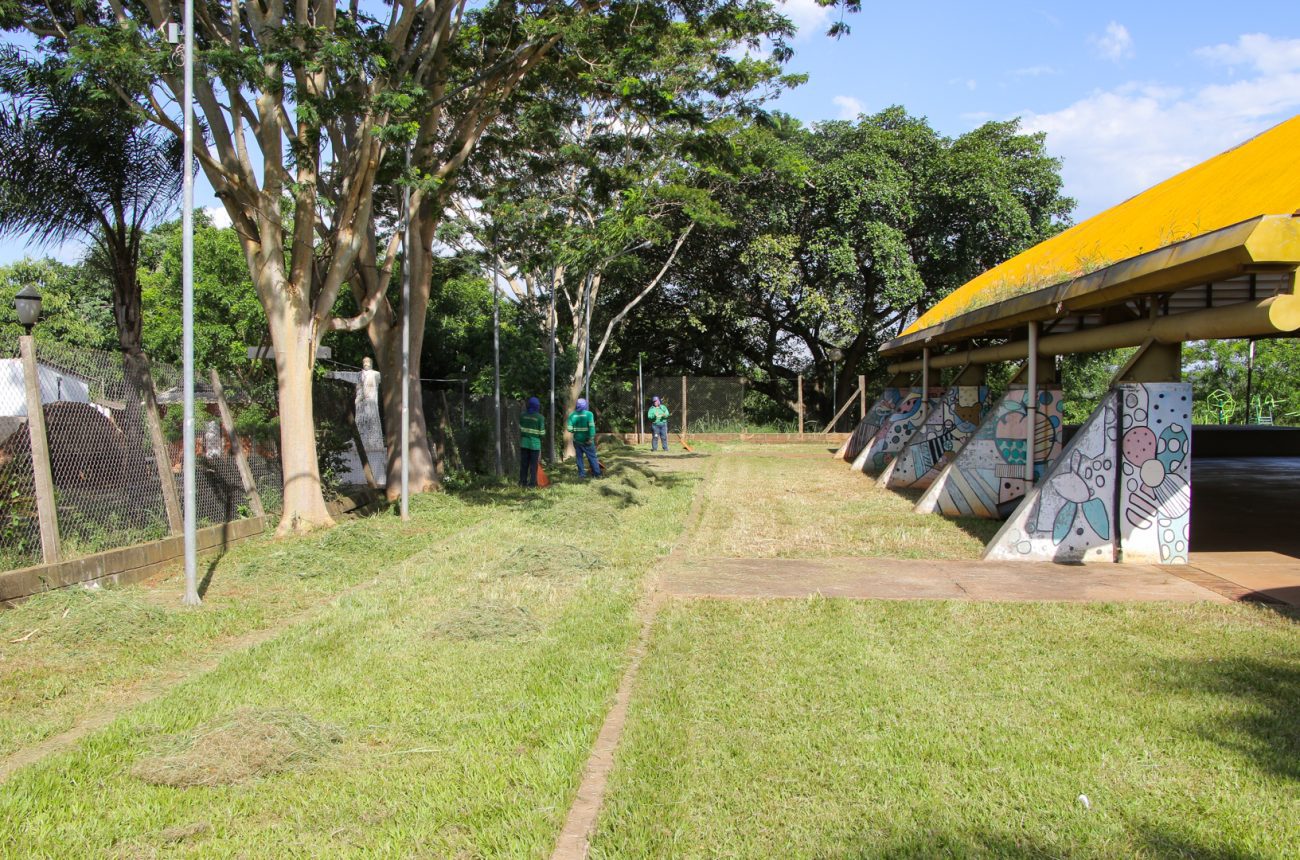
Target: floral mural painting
point(886, 405)
point(986, 478)
point(952, 419)
point(1069, 515)
point(895, 431)
point(1138, 436)
point(1156, 497)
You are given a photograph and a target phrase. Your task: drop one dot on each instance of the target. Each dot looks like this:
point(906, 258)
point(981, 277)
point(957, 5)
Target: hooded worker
point(658, 415)
point(532, 429)
point(582, 424)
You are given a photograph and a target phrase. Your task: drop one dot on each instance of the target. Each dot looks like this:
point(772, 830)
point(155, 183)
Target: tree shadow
point(1155, 841)
point(1261, 714)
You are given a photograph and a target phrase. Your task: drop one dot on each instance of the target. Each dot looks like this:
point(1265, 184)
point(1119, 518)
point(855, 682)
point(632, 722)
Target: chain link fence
point(105, 463)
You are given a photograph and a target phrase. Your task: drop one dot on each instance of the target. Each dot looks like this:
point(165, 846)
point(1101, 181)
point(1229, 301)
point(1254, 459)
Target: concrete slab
point(899, 579)
point(1260, 574)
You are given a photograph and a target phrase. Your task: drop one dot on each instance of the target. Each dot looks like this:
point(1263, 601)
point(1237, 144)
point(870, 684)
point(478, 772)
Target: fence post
point(161, 453)
point(241, 461)
point(862, 397)
point(46, 513)
point(683, 408)
point(799, 382)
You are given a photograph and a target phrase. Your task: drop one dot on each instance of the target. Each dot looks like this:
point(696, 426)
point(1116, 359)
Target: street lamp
point(28, 305)
point(836, 355)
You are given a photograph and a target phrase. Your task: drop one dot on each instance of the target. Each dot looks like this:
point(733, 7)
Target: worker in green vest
point(658, 415)
point(532, 427)
point(582, 424)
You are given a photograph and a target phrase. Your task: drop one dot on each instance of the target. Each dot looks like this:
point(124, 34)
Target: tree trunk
point(386, 338)
point(304, 501)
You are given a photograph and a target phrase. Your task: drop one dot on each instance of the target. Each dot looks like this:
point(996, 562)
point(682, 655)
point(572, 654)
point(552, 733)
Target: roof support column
point(1031, 404)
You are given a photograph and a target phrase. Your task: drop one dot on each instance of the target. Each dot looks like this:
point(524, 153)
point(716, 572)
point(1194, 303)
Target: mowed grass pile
point(444, 712)
point(795, 501)
point(840, 729)
point(66, 654)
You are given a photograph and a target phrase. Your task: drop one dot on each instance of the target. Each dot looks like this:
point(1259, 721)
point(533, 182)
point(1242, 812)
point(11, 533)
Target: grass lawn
point(79, 650)
point(446, 712)
point(839, 729)
point(795, 501)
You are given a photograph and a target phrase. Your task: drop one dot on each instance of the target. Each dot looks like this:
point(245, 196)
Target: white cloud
point(1115, 44)
point(1035, 71)
point(1116, 143)
point(849, 107)
point(809, 18)
point(1260, 51)
point(220, 217)
point(968, 83)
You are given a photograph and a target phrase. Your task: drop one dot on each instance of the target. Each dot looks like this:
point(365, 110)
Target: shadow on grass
point(1261, 714)
point(1159, 842)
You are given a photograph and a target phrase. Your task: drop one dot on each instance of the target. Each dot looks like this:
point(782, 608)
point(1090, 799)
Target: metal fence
point(106, 463)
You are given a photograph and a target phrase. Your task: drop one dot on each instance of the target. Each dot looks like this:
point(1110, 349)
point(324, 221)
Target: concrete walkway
point(897, 579)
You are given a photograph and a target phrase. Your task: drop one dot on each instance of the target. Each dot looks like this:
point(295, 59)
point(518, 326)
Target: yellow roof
point(1258, 177)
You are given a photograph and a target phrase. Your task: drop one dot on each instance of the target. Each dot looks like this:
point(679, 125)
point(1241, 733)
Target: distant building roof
point(1259, 177)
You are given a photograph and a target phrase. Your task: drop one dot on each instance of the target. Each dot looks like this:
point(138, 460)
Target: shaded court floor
point(1244, 528)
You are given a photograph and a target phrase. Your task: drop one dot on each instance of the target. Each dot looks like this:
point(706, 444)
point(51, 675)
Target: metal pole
point(496, 358)
point(1031, 405)
point(191, 597)
point(551, 426)
point(799, 389)
point(640, 402)
point(925, 372)
point(586, 337)
point(835, 393)
point(1250, 378)
point(406, 343)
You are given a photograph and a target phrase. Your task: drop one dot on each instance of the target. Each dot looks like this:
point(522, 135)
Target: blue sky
point(1128, 93)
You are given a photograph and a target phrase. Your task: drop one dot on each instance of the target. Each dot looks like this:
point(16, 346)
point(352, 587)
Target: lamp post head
point(835, 354)
point(28, 305)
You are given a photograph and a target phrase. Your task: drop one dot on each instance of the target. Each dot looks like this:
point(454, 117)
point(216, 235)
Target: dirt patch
point(486, 619)
point(244, 745)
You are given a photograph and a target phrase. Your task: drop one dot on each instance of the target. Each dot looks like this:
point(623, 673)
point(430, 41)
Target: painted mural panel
point(1140, 437)
point(894, 432)
point(951, 420)
point(886, 405)
point(1156, 497)
point(1070, 516)
point(987, 477)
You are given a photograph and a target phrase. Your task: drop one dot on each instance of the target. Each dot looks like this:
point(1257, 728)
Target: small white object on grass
point(1083, 799)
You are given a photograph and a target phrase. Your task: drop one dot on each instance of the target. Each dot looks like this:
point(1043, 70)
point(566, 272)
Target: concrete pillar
point(951, 420)
point(1120, 491)
point(987, 476)
point(895, 431)
point(884, 406)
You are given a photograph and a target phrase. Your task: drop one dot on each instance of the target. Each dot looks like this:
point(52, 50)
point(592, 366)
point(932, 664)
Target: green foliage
point(76, 303)
point(228, 317)
point(1222, 366)
point(836, 237)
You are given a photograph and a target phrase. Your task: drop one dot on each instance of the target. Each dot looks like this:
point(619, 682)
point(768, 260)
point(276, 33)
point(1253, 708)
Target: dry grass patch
point(245, 745)
point(794, 501)
point(486, 619)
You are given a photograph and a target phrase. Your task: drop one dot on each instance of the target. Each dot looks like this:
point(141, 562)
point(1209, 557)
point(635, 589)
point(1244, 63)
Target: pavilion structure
point(1210, 253)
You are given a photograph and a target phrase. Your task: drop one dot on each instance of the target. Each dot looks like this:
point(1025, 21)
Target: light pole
point(551, 425)
point(836, 355)
point(28, 305)
point(191, 597)
point(406, 340)
point(496, 357)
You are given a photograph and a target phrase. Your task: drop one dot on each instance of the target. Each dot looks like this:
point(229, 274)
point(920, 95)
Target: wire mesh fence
point(112, 464)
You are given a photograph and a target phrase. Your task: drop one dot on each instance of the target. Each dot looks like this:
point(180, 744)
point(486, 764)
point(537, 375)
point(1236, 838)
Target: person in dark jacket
point(582, 424)
point(532, 428)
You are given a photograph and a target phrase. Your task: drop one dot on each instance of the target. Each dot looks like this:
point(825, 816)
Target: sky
point(1128, 93)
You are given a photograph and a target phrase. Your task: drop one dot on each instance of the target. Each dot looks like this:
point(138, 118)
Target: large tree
point(842, 234)
point(75, 166)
